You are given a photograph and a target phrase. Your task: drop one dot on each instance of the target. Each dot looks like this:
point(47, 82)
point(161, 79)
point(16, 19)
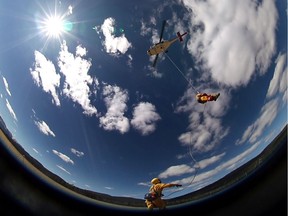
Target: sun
point(53, 23)
point(54, 26)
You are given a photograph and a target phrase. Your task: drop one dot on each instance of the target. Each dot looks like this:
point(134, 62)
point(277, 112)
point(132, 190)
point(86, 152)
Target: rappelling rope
point(196, 166)
point(189, 81)
point(190, 146)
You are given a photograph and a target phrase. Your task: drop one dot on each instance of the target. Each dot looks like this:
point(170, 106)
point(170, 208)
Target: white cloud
point(255, 130)
point(178, 23)
point(185, 169)
point(81, 51)
point(130, 59)
point(45, 76)
point(279, 80)
point(206, 178)
point(77, 80)
point(114, 44)
point(205, 124)
point(176, 171)
point(146, 30)
point(154, 72)
point(35, 150)
point(285, 95)
point(63, 157)
point(60, 167)
point(278, 84)
point(108, 188)
point(44, 128)
point(206, 162)
point(233, 38)
point(6, 86)
point(9, 107)
point(145, 118)
point(70, 9)
point(77, 153)
point(115, 100)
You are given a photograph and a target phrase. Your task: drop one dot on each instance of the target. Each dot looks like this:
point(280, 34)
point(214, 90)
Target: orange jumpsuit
point(203, 97)
point(158, 202)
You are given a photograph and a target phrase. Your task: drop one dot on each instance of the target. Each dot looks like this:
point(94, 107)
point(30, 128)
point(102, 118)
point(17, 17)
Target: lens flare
point(68, 26)
point(54, 26)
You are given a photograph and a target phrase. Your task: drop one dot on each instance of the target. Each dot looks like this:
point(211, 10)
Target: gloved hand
point(178, 185)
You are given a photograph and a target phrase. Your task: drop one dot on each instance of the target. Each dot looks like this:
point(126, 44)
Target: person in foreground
point(204, 97)
point(153, 198)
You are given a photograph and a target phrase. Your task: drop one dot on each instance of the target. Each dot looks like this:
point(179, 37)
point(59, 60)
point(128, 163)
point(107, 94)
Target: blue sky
point(84, 100)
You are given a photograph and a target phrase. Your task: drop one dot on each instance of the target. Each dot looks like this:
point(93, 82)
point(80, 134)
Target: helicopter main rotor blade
point(155, 60)
point(162, 30)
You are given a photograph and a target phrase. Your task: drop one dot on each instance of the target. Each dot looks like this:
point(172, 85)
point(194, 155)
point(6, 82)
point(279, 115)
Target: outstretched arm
point(171, 185)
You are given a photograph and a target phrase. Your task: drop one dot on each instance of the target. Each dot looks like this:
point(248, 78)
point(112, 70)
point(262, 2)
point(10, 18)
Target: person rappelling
point(153, 198)
point(204, 97)
point(162, 47)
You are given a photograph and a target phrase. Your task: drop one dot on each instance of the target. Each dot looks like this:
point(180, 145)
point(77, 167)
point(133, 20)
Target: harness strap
point(157, 193)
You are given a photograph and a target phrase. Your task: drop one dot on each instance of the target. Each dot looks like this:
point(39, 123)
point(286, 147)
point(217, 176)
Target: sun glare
point(54, 26)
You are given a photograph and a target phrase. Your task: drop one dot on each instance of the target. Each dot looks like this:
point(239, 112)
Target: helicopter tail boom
point(180, 37)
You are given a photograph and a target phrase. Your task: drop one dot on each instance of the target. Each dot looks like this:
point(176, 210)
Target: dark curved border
point(262, 193)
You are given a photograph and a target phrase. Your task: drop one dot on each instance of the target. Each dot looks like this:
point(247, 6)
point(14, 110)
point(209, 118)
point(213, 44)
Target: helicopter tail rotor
point(180, 37)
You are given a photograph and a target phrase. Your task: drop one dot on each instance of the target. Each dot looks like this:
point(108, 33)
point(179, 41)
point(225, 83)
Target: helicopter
point(163, 45)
